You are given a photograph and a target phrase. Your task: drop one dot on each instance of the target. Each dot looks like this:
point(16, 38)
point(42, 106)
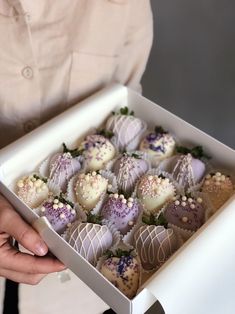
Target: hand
point(18, 266)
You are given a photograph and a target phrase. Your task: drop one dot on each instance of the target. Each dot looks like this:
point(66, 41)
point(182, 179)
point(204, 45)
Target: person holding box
point(54, 54)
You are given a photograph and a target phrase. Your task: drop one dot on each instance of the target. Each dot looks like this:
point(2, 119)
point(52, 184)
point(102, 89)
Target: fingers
point(12, 259)
point(14, 225)
point(22, 277)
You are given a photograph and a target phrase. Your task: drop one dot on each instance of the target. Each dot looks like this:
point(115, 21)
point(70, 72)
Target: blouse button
point(27, 72)
point(30, 125)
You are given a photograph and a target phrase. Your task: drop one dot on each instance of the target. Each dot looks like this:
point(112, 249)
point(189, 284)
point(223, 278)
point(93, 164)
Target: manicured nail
point(41, 249)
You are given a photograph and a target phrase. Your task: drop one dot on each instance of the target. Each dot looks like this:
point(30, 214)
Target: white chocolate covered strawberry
point(89, 188)
point(32, 190)
point(122, 270)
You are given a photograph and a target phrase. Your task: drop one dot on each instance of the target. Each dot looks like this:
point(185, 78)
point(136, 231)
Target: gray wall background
point(191, 70)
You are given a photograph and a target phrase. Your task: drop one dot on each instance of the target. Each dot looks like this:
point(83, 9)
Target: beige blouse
point(57, 52)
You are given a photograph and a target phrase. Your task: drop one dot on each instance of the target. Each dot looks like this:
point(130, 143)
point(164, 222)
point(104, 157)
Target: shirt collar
point(17, 7)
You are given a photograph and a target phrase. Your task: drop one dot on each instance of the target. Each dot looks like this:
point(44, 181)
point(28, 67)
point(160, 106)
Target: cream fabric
point(53, 54)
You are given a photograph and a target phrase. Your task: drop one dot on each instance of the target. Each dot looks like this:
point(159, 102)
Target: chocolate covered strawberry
point(128, 169)
point(121, 212)
point(90, 239)
point(125, 127)
point(122, 270)
point(154, 243)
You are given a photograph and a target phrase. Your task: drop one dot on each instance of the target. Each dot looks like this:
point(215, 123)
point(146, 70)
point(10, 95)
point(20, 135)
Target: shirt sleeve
point(137, 45)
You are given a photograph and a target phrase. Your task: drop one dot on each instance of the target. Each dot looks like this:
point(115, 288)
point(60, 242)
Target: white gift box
point(200, 277)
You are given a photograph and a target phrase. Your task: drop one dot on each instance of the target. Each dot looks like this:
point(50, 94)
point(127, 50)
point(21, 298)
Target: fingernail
point(41, 249)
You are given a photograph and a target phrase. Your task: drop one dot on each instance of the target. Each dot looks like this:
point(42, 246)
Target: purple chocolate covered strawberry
point(187, 168)
point(63, 166)
point(128, 169)
point(154, 243)
point(125, 127)
point(59, 212)
point(90, 239)
point(121, 212)
point(185, 212)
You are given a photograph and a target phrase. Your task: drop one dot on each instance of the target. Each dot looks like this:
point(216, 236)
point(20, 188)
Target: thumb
point(12, 223)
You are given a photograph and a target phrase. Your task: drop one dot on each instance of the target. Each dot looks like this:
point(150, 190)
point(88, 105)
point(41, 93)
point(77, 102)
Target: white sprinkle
point(121, 196)
point(20, 184)
point(43, 209)
point(192, 206)
point(184, 198)
point(177, 202)
point(38, 183)
point(93, 173)
point(115, 195)
point(190, 200)
point(110, 186)
point(131, 223)
point(218, 174)
point(129, 204)
point(222, 178)
point(184, 219)
point(68, 206)
point(61, 205)
point(73, 211)
point(56, 201)
point(124, 201)
point(199, 200)
point(55, 206)
point(208, 176)
point(62, 216)
point(183, 204)
point(159, 180)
